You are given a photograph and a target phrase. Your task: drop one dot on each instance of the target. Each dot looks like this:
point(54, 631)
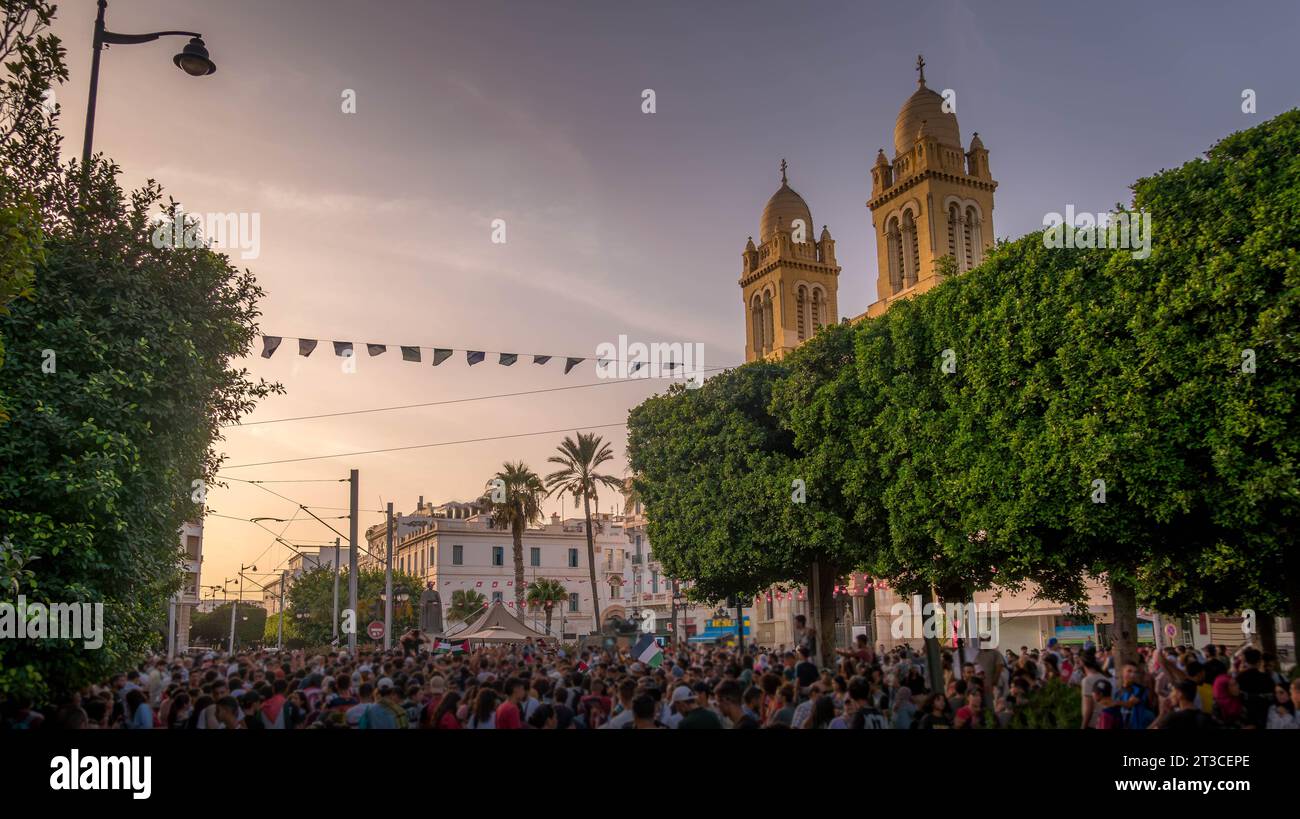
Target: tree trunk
point(823, 600)
point(869, 616)
point(591, 565)
point(517, 529)
point(1267, 633)
point(1291, 583)
point(1123, 600)
point(933, 652)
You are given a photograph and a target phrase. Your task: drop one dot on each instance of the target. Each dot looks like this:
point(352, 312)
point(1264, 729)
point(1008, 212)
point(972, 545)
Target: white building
point(453, 548)
point(187, 599)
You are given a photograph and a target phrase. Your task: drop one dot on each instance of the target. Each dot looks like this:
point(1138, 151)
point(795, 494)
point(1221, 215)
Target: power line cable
point(446, 402)
point(427, 446)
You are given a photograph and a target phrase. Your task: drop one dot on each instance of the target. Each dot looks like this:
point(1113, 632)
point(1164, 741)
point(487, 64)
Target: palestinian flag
point(648, 651)
point(449, 647)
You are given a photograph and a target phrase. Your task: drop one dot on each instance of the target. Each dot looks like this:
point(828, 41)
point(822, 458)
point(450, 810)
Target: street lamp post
point(235, 607)
point(193, 60)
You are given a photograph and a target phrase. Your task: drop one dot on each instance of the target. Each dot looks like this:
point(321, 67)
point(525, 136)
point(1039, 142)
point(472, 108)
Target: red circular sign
point(375, 630)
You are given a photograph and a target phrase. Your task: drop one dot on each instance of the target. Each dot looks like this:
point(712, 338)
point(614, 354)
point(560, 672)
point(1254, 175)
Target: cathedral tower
point(935, 199)
point(789, 280)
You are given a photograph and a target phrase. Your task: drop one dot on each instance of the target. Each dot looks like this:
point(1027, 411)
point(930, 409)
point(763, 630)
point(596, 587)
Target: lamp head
point(193, 60)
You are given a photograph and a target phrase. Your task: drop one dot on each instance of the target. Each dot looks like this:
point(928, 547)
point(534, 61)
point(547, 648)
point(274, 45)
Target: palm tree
point(546, 594)
point(514, 500)
point(577, 475)
point(466, 604)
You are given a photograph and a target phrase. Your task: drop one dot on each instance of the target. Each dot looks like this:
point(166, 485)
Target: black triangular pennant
point(440, 355)
point(410, 353)
point(305, 346)
point(570, 363)
point(269, 345)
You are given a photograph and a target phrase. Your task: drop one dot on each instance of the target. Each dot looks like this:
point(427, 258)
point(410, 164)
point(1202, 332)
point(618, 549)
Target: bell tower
point(788, 281)
point(933, 200)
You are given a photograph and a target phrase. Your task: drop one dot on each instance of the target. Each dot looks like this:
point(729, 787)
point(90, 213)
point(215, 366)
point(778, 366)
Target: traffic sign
point(375, 630)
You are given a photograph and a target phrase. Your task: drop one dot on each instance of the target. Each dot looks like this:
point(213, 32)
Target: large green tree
point(118, 376)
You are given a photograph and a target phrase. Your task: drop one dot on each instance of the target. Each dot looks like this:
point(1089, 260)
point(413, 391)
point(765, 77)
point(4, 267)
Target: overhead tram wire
point(307, 509)
point(427, 446)
point(451, 401)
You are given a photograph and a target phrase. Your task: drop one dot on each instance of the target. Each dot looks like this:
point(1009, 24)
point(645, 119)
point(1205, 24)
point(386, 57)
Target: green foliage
point(312, 595)
point(466, 606)
point(961, 440)
point(514, 501)
point(99, 459)
point(579, 476)
point(1054, 705)
point(548, 595)
point(715, 471)
point(213, 628)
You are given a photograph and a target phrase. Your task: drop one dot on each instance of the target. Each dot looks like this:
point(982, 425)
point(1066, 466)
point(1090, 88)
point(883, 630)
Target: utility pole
point(388, 583)
point(335, 635)
point(284, 579)
point(352, 561)
point(235, 608)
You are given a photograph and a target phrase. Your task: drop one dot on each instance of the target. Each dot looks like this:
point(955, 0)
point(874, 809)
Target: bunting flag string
point(415, 353)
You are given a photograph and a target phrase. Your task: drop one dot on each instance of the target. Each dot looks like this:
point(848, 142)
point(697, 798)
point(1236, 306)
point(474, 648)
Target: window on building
point(573, 558)
point(535, 556)
point(573, 602)
point(498, 556)
point(457, 555)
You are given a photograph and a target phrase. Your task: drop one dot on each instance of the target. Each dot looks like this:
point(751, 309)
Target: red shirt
point(449, 721)
point(508, 716)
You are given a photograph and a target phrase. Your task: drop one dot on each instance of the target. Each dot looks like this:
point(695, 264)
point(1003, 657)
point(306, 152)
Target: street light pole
point(335, 635)
point(193, 60)
point(284, 579)
point(235, 608)
point(355, 484)
point(388, 583)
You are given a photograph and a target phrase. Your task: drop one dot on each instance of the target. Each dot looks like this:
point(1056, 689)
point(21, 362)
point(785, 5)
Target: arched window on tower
point(974, 242)
point(756, 318)
point(894, 254)
point(769, 335)
point(801, 307)
point(954, 231)
point(911, 251)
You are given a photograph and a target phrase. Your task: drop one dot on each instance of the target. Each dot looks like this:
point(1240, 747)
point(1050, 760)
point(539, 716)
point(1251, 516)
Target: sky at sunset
point(376, 226)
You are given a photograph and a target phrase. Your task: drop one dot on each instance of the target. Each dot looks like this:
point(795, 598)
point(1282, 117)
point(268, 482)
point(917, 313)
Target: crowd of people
point(523, 686)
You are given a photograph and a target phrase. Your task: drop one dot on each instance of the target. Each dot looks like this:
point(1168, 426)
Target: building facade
point(454, 547)
point(186, 601)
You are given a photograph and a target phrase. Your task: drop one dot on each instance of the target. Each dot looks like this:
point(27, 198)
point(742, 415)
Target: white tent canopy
point(498, 625)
